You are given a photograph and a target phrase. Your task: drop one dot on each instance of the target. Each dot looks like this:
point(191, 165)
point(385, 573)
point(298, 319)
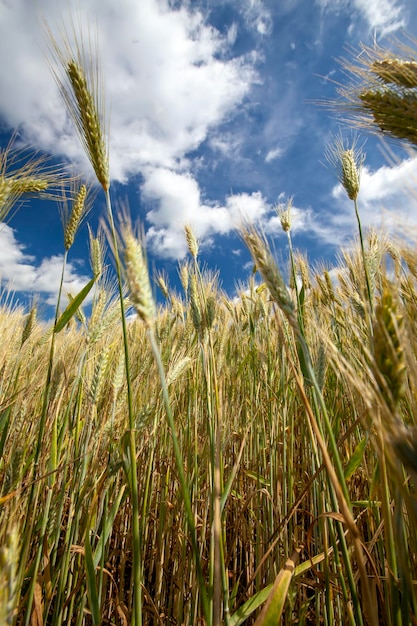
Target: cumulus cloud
point(178, 201)
point(170, 81)
point(167, 79)
point(387, 200)
point(20, 272)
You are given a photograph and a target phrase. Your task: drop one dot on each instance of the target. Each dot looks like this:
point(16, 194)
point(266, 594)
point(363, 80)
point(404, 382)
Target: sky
point(213, 118)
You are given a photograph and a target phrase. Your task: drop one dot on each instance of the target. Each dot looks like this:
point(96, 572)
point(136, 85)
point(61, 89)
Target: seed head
point(284, 214)
point(29, 324)
point(396, 71)
point(161, 281)
point(192, 242)
point(382, 95)
point(394, 113)
point(28, 185)
point(390, 366)
point(100, 371)
point(184, 276)
point(79, 81)
point(138, 277)
point(75, 217)
point(5, 191)
point(23, 175)
point(96, 253)
point(348, 163)
point(264, 261)
point(88, 124)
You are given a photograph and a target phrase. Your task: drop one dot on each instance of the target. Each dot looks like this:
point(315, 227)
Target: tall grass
point(214, 460)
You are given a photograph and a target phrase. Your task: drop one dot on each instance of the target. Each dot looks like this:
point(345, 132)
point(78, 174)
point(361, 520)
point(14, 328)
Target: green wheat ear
point(137, 276)
point(393, 113)
point(347, 161)
point(265, 263)
point(192, 242)
point(75, 216)
point(390, 367)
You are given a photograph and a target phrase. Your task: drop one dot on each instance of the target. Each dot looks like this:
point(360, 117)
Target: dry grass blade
point(272, 611)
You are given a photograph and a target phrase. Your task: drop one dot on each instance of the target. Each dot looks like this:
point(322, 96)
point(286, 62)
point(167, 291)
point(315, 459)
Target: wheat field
point(212, 460)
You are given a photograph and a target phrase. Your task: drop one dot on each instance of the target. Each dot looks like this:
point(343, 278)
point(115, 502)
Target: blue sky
point(212, 117)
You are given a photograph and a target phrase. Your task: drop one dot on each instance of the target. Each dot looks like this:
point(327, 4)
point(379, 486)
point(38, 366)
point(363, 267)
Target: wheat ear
point(137, 275)
point(79, 82)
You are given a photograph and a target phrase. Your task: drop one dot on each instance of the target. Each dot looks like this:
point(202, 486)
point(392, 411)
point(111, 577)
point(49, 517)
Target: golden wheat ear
point(347, 160)
point(24, 174)
point(137, 274)
point(264, 261)
point(382, 95)
point(192, 242)
point(75, 203)
point(78, 77)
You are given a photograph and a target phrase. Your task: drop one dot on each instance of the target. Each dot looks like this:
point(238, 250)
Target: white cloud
point(383, 16)
point(232, 34)
point(177, 201)
point(387, 200)
point(20, 272)
point(170, 84)
point(257, 16)
point(166, 79)
point(276, 153)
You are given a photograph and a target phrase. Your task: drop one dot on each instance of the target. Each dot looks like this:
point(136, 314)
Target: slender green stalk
point(364, 260)
point(36, 484)
point(181, 477)
point(133, 473)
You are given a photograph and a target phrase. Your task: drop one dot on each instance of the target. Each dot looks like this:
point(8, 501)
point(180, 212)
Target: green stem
point(181, 477)
point(133, 477)
point(365, 264)
point(390, 543)
point(36, 484)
